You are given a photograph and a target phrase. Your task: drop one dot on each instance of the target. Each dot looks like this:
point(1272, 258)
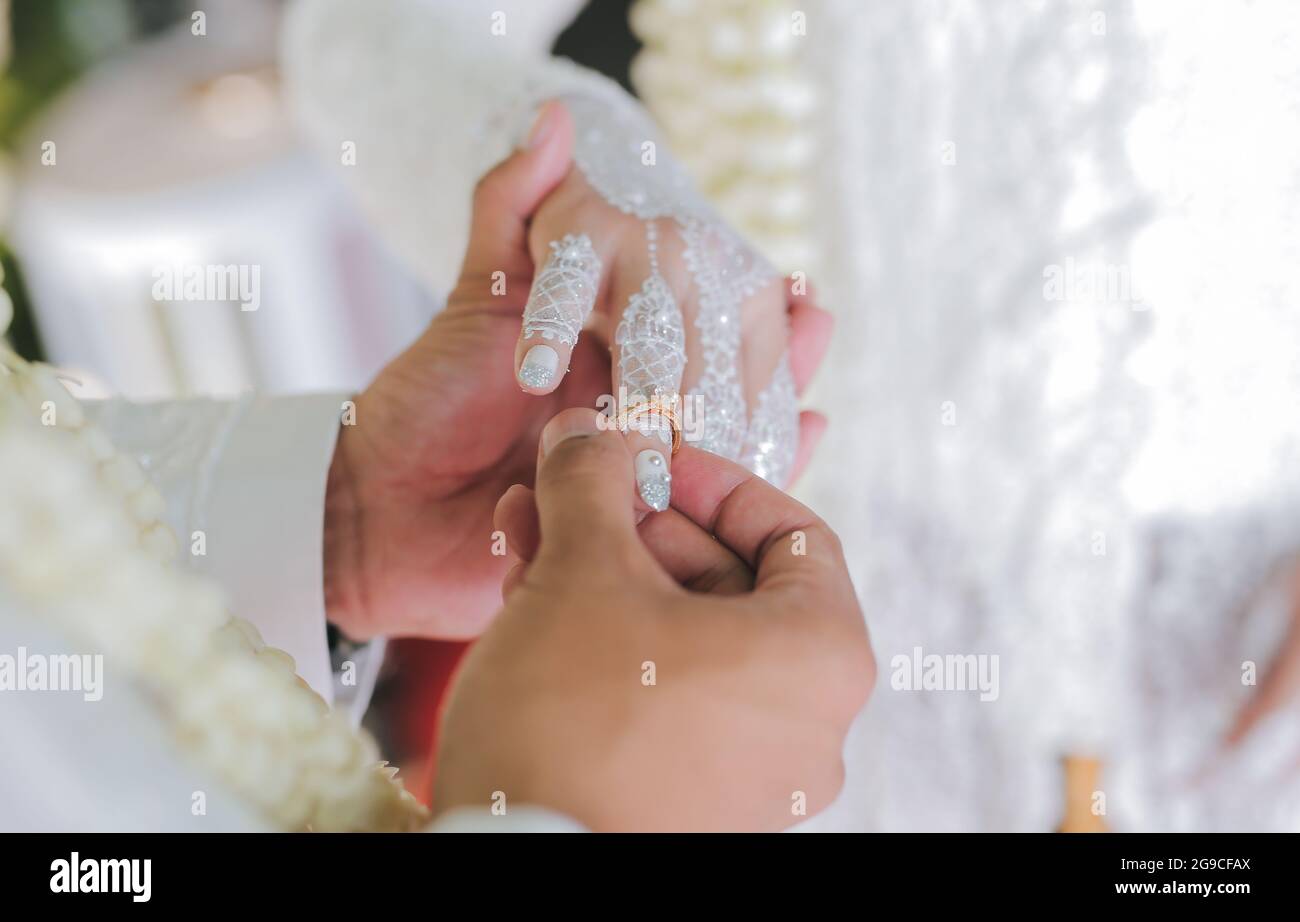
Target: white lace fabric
point(651, 341)
point(1055, 481)
point(1045, 480)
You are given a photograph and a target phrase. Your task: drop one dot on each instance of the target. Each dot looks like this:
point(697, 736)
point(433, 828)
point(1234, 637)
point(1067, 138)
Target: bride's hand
point(445, 429)
point(629, 257)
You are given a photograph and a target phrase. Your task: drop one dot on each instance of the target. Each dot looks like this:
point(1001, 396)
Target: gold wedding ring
point(656, 407)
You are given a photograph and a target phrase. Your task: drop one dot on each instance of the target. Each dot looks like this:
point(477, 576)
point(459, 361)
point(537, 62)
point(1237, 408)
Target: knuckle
point(573, 206)
point(835, 775)
point(859, 675)
point(846, 676)
point(770, 299)
point(834, 544)
point(823, 543)
point(826, 772)
point(854, 659)
point(592, 211)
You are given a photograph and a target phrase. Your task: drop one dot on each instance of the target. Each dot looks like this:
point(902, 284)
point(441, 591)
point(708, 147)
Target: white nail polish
point(539, 365)
point(653, 481)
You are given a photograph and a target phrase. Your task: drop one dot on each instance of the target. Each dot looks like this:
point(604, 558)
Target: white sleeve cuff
point(262, 514)
point(249, 475)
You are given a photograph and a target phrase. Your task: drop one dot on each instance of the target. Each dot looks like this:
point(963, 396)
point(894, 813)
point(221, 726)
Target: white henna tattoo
point(564, 291)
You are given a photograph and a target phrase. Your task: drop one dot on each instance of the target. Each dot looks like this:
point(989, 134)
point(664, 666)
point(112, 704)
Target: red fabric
point(422, 671)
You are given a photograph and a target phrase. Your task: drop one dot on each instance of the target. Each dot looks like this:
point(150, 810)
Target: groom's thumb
point(508, 194)
point(585, 491)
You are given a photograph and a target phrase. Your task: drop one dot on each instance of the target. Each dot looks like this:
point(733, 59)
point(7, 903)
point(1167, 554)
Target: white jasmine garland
point(726, 82)
point(82, 546)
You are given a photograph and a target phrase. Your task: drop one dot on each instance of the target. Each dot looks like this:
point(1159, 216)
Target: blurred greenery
point(53, 42)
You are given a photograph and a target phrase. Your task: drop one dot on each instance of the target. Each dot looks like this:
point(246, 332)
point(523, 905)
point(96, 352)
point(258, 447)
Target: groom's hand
point(610, 692)
point(444, 430)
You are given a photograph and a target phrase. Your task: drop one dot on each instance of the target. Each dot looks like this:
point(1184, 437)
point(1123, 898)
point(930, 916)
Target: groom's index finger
point(785, 542)
point(803, 603)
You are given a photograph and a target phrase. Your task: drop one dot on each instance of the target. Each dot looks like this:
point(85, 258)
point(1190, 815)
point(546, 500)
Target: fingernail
point(653, 481)
point(539, 366)
point(568, 425)
point(541, 129)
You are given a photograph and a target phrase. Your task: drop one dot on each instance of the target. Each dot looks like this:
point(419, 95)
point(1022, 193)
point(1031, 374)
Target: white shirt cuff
point(264, 523)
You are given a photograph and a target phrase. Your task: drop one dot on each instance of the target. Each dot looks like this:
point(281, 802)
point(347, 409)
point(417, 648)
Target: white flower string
point(731, 87)
point(82, 546)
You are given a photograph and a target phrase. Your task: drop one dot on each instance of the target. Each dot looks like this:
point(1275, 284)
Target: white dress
point(1058, 240)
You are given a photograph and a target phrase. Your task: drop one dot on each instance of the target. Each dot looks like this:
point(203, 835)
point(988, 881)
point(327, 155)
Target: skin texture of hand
point(445, 429)
point(697, 673)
